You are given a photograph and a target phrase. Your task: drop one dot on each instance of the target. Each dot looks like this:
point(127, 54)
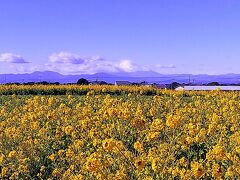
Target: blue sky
point(89, 36)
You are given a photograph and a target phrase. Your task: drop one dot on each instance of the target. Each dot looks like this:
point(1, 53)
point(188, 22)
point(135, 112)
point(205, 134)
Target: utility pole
point(5, 79)
point(40, 78)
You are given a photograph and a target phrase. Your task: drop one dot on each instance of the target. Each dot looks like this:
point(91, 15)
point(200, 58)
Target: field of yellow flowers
point(132, 134)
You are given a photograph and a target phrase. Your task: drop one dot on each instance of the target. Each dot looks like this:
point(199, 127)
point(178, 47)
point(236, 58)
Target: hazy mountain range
point(149, 76)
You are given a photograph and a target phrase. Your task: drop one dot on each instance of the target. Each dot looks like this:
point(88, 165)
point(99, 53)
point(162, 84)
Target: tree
point(82, 81)
point(174, 85)
point(213, 84)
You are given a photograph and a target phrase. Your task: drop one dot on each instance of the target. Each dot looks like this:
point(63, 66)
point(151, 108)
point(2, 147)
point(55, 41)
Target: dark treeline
point(83, 81)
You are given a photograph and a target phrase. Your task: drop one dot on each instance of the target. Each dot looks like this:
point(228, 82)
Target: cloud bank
point(12, 58)
point(65, 57)
point(71, 63)
point(66, 62)
point(170, 66)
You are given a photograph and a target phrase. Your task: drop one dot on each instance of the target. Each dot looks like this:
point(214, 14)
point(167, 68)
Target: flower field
point(111, 132)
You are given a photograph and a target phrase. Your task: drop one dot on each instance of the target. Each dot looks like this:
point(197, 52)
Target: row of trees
point(83, 81)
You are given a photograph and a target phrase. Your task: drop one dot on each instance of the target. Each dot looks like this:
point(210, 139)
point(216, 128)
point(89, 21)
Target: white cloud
point(65, 62)
point(12, 58)
point(169, 66)
point(128, 66)
point(65, 57)
point(69, 63)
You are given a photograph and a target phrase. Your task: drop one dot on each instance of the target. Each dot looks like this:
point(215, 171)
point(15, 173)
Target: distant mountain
point(149, 76)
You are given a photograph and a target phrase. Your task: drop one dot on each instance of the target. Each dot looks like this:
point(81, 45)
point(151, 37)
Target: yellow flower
point(93, 165)
point(152, 135)
point(183, 162)
point(68, 130)
point(69, 153)
point(52, 157)
point(172, 121)
point(157, 125)
point(139, 123)
point(216, 170)
point(202, 132)
point(4, 171)
point(157, 164)
point(77, 177)
point(108, 161)
point(230, 172)
point(1, 158)
point(120, 175)
point(175, 172)
point(42, 168)
point(12, 154)
point(218, 153)
point(139, 163)
point(238, 149)
point(78, 144)
point(61, 153)
point(23, 168)
point(148, 178)
point(92, 136)
point(138, 146)
point(197, 169)
point(189, 140)
point(56, 172)
point(108, 144)
point(118, 145)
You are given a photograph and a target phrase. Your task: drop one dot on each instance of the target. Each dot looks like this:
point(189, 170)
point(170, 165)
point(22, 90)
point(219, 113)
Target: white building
point(160, 86)
point(208, 88)
point(122, 83)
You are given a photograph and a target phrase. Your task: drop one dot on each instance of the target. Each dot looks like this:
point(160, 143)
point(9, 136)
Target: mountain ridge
point(139, 76)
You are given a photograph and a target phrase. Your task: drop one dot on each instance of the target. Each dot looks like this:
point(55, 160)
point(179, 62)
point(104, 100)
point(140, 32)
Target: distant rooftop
point(122, 83)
